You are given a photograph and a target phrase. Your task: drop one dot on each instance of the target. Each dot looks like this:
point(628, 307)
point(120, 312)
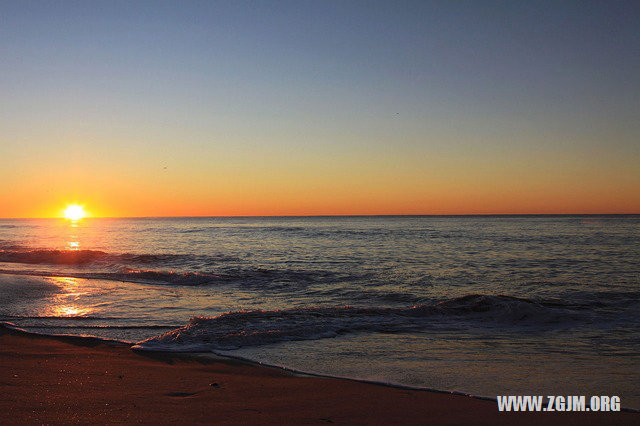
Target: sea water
point(490, 305)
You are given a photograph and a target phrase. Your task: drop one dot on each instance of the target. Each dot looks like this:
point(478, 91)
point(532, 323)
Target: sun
point(74, 212)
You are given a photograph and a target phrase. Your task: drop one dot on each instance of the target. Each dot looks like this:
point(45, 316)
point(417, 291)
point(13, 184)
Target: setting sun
point(74, 212)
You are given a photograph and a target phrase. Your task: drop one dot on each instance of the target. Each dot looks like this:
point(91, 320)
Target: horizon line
point(330, 215)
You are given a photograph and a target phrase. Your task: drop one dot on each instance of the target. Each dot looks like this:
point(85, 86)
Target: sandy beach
point(60, 380)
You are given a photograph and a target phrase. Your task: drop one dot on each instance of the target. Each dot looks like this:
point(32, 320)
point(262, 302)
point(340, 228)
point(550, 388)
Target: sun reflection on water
point(69, 311)
point(66, 304)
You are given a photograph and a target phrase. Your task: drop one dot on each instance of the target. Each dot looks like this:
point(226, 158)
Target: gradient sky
point(346, 107)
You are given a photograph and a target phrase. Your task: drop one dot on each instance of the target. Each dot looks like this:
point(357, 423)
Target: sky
point(319, 107)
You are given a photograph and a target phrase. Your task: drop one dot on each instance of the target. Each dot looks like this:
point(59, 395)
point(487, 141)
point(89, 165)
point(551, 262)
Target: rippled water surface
point(484, 305)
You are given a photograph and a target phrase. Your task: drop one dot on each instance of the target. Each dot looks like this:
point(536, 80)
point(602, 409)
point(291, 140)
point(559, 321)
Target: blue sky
point(378, 93)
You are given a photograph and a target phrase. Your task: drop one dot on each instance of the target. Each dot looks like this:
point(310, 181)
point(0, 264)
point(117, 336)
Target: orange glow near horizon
point(349, 200)
point(366, 188)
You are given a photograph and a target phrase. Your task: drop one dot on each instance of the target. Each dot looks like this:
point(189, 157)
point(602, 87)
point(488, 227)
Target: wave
point(57, 317)
point(167, 277)
point(133, 276)
point(252, 277)
point(55, 257)
point(98, 327)
point(247, 278)
point(18, 254)
point(233, 330)
point(10, 245)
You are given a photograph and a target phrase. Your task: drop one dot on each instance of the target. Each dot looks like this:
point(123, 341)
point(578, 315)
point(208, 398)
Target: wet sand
point(61, 380)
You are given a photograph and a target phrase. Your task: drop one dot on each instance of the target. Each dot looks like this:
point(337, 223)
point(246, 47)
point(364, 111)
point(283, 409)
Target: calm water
point(483, 305)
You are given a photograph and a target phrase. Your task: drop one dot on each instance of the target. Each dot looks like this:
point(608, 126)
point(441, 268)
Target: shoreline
point(216, 357)
point(63, 379)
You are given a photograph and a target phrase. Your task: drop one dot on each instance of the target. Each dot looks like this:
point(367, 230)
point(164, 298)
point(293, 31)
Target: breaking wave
point(19, 254)
point(233, 330)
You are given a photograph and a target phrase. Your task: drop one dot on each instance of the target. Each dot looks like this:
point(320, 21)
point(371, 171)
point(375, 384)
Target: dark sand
point(45, 380)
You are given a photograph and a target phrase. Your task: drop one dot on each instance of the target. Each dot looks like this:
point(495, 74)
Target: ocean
point(483, 305)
